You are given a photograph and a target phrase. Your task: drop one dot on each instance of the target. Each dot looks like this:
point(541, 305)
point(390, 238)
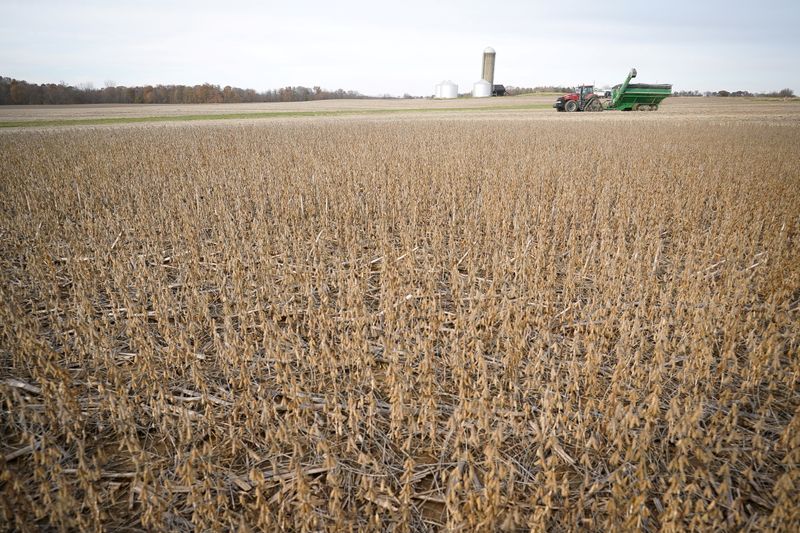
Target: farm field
point(510, 108)
point(492, 320)
point(137, 111)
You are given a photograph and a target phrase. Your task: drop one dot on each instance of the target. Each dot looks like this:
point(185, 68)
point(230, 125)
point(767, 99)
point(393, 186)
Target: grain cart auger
point(624, 97)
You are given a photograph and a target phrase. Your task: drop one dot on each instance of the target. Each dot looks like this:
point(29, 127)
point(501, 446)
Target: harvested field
point(460, 323)
point(510, 108)
point(134, 111)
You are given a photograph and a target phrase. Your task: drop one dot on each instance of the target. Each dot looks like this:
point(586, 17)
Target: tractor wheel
point(594, 105)
point(570, 106)
point(654, 107)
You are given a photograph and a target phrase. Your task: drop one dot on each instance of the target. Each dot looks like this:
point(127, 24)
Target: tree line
point(20, 92)
point(783, 93)
point(515, 91)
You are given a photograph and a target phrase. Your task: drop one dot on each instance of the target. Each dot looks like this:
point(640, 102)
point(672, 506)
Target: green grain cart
point(624, 97)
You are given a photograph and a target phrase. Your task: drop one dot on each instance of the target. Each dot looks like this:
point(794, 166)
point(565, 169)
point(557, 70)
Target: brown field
point(505, 320)
point(138, 110)
point(677, 108)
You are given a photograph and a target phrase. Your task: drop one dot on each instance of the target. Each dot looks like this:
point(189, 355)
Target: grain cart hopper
point(624, 97)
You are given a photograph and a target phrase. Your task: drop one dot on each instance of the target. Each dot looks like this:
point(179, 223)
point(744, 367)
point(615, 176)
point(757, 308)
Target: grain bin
point(481, 89)
point(448, 89)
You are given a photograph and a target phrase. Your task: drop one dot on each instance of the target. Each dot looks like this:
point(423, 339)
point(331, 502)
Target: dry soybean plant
point(438, 324)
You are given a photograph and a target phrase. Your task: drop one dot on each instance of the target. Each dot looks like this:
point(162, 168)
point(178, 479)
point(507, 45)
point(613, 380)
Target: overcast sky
point(403, 46)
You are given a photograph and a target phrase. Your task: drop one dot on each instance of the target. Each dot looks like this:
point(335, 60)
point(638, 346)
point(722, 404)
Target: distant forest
point(783, 93)
point(515, 91)
point(18, 92)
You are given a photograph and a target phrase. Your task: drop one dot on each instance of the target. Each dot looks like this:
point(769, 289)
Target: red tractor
point(583, 100)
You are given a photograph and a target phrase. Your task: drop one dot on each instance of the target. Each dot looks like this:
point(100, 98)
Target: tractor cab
point(584, 92)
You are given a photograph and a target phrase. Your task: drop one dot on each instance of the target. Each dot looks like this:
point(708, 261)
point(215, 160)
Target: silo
point(481, 89)
point(488, 65)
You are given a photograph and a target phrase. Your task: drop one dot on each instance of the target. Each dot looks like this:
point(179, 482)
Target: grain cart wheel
point(594, 105)
point(571, 106)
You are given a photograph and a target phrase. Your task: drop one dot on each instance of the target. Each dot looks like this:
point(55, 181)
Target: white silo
point(481, 89)
point(437, 93)
point(488, 65)
point(448, 89)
